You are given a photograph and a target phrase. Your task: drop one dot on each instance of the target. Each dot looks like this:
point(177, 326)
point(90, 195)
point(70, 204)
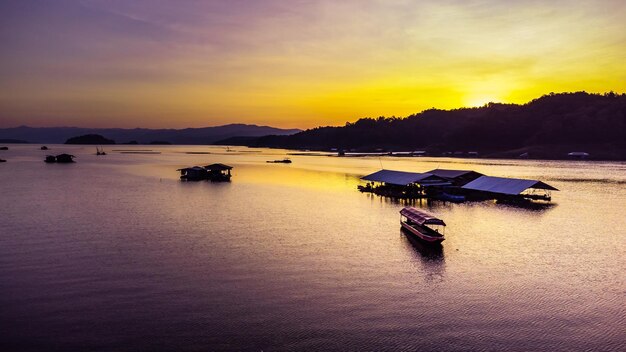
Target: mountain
point(206, 135)
point(547, 127)
point(89, 139)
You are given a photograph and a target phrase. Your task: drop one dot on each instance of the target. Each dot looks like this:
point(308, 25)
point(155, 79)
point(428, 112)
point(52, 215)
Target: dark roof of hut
point(195, 168)
point(403, 178)
point(218, 167)
point(503, 185)
point(450, 174)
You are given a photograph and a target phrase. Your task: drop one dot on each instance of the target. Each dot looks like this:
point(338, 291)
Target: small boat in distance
point(283, 161)
point(414, 221)
point(43, 147)
point(100, 151)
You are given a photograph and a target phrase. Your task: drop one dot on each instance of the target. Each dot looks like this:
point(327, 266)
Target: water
point(115, 253)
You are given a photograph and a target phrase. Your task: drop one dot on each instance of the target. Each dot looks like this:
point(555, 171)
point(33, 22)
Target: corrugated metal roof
point(421, 217)
point(511, 186)
point(401, 178)
point(450, 173)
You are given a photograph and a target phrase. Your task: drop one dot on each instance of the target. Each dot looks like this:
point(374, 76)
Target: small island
point(90, 139)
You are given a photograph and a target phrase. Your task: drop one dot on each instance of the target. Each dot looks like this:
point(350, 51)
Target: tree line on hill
point(546, 127)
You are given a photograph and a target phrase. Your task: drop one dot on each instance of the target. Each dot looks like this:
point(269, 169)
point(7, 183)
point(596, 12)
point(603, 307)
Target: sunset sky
point(160, 63)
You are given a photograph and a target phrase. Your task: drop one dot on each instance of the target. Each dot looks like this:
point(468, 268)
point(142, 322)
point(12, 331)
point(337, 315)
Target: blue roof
point(451, 173)
point(503, 185)
point(403, 178)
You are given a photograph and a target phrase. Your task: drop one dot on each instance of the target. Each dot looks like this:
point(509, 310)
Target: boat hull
point(421, 234)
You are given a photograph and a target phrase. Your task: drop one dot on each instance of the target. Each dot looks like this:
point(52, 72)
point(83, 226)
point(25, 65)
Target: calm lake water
point(114, 253)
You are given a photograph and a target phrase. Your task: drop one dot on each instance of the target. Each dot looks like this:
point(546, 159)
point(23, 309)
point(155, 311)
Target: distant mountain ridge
point(205, 135)
point(546, 127)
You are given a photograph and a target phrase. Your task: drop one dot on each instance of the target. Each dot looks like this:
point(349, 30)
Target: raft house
point(454, 186)
point(61, 158)
point(508, 189)
point(214, 172)
point(401, 184)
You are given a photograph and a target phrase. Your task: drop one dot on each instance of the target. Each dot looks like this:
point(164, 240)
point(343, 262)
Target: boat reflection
point(429, 258)
point(431, 252)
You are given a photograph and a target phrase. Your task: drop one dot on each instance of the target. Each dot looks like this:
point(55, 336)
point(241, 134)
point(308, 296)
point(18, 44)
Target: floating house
point(219, 172)
point(213, 172)
point(489, 187)
point(61, 158)
point(65, 158)
point(194, 173)
point(454, 186)
point(401, 184)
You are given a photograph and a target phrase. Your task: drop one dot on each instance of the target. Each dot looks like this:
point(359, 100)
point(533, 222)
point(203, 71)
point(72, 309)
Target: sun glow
point(160, 64)
point(484, 91)
point(481, 100)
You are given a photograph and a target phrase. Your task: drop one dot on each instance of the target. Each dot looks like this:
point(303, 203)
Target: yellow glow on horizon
point(194, 66)
point(478, 101)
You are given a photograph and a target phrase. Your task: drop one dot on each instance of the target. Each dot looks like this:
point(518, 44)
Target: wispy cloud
point(295, 63)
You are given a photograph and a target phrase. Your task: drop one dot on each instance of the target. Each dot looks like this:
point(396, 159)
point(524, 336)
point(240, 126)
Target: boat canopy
point(503, 185)
point(421, 217)
point(403, 178)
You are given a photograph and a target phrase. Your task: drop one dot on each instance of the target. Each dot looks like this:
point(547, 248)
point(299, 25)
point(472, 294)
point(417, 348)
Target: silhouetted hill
point(546, 127)
point(89, 139)
point(205, 135)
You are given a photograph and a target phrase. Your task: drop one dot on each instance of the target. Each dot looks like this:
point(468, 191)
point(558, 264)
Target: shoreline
point(364, 154)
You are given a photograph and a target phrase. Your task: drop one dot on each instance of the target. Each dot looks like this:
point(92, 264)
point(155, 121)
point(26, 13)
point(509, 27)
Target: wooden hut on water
point(219, 172)
point(454, 186)
point(194, 173)
point(401, 184)
point(61, 158)
point(213, 172)
point(508, 189)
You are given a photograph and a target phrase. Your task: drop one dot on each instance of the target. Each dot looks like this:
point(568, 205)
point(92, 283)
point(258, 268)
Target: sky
point(298, 63)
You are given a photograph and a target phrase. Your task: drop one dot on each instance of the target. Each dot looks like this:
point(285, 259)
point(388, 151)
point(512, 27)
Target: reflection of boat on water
point(415, 222)
point(283, 161)
point(429, 251)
